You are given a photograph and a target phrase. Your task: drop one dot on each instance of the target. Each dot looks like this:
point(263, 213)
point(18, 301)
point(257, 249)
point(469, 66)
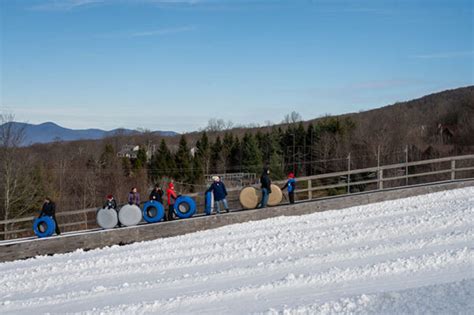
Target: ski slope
point(403, 256)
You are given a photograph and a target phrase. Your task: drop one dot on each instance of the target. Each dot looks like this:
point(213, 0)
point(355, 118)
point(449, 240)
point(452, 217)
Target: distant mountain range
point(50, 132)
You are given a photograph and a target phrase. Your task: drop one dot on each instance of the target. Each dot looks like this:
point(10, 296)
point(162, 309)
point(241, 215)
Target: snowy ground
point(412, 255)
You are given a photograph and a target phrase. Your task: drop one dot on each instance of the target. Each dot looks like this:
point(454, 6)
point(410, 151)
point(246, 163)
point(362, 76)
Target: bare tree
point(215, 124)
point(16, 186)
point(292, 118)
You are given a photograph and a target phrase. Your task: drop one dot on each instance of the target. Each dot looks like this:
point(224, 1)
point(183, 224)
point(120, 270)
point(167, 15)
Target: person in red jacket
point(171, 194)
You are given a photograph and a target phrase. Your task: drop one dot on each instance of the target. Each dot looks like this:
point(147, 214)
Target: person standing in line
point(49, 209)
point(134, 197)
point(157, 194)
point(291, 185)
point(219, 191)
point(110, 203)
point(171, 195)
point(266, 186)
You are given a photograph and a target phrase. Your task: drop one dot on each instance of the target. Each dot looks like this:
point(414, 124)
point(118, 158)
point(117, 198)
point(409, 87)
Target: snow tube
point(275, 197)
point(250, 197)
point(153, 211)
point(208, 203)
point(130, 215)
point(107, 218)
point(44, 226)
point(184, 207)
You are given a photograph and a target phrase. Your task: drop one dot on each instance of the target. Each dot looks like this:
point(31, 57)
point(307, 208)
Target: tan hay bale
point(250, 197)
point(276, 196)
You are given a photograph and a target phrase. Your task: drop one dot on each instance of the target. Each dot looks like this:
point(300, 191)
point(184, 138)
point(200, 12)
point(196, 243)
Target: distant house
point(129, 151)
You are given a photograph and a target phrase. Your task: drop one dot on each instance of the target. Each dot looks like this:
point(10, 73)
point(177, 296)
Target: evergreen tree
point(107, 157)
point(235, 164)
point(141, 160)
point(217, 161)
point(227, 146)
point(162, 163)
point(276, 155)
point(251, 155)
point(183, 160)
point(203, 152)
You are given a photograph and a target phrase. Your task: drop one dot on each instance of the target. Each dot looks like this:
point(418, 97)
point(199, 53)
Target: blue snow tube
point(153, 211)
point(44, 226)
point(184, 207)
point(208, 203)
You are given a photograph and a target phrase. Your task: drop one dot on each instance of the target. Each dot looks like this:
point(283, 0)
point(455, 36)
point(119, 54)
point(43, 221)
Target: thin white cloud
point(164, 31)
point(65, 5)
point(146, 33)
point(445, 55)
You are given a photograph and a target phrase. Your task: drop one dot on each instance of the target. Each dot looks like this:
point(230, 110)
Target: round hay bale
point(130, 215)
point(276, 196)
point(107, 218)
point(250, 197)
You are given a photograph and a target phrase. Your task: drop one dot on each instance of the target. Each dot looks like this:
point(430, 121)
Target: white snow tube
point(130, 215)
point(107, 218)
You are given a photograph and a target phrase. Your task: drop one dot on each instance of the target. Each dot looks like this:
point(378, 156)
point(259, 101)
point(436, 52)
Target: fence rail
point(308, 188)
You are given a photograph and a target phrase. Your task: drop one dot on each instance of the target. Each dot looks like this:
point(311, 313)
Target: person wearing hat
point(291, 185)
point(171, 194)
point(49, 209)
point(157, 194)
point(110, 203)
point(220, 194)
point(266, 183)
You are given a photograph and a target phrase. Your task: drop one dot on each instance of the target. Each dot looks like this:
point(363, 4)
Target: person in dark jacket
point(134, 197)
point(171, 196)
point(266, 186)
point(110, 203)
point(291, 185)
point(49, 209)
point(220, 194)
point(157, 194)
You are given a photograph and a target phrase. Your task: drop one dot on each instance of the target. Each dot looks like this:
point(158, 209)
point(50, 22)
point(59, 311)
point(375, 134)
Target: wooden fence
point(308, 188)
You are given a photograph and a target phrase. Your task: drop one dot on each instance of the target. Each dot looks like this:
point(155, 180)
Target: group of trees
point(79, 174)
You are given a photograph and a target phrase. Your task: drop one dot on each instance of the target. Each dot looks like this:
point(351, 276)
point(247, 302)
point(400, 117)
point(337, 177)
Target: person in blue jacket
point(291, 186)
point(220, 194)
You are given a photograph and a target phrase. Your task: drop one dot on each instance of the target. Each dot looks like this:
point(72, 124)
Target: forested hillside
point(79, 174)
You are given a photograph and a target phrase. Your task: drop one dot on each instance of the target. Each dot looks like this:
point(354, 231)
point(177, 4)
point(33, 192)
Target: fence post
point(453, 169)
point(406, 165)
point(349, 173)
point(380, 173)
point(310, 191)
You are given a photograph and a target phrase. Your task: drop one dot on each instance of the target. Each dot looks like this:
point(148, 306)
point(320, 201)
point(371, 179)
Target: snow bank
point(413, 255)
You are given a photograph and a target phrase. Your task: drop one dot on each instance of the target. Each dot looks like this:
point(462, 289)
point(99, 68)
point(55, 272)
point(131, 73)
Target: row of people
point(217, 188)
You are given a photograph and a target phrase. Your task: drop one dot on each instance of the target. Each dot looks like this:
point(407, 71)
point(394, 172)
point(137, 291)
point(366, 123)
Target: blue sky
point(173, 65)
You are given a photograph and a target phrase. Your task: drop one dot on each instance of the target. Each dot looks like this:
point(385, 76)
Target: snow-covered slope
point(403, 256)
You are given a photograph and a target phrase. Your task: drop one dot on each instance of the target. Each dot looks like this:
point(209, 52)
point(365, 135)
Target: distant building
point(129, 151)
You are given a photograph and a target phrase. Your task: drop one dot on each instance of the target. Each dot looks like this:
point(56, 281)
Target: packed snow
point(411, 255)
